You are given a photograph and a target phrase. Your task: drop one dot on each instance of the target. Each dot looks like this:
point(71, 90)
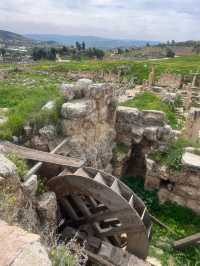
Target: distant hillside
point(91, 41)
point(11, 38)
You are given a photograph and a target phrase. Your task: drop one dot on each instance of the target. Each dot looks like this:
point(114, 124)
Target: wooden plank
point(37, 166)
point(187, 241)
point(41, 156)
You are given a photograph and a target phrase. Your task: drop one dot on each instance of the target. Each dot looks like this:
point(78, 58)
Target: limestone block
point(126, 118)
point(153, 118)
point(191, 161)
point(7, 168)
point(77, 109)
point(49, 106)
point(137, 133)
point(48, 131)
point(68, 91)
point(47, 207)
point(30, 186)
point(151, 133)
point(83, 83)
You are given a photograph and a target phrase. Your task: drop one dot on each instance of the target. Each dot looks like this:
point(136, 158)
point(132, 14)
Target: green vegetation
point(120, 148)
point(181, 220)
point(61, 256)
point(21, 164)
point(172, 156)
point(138, 69)
point(149, 101)
point(40, 186)
point(24, 94)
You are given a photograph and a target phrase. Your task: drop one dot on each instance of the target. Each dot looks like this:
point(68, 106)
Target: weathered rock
point(49, 106)
point(153, 118)
point(34, 254)
point(151, 133)
point(191, 160)
point(137, 133)
point(7, 168)
point(68, 91)
point(48, 131)
point(19, 248)
point(47, 208)
point(154, 261)
point(83, 83)
point(40, 143)
point(30, 186)
point(77, 109)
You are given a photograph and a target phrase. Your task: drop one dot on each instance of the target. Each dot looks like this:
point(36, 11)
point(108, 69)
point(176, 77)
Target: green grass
point(24, 95)
point(172, 156)
point(181, 220)
point(138, 69)
point(150, 101)
point(25, 92)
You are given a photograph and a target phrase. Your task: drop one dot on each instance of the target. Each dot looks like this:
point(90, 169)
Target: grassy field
point(139, 69)
point(25, 92)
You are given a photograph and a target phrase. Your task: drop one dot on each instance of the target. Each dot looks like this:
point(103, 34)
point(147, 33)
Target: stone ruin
point(96, 128)
point(117, 140)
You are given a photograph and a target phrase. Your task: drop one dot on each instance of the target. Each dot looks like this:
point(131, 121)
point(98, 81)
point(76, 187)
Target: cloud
point(135, 19)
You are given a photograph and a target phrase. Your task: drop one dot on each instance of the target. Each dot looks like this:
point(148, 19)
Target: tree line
point(73, 52)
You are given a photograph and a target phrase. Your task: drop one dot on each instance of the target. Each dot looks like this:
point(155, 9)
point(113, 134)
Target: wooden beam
point(41, 156)
point(187, 241)
point(37, 166)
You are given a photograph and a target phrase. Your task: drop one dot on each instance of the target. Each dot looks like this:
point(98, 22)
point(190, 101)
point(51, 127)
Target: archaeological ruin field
point(106, 148)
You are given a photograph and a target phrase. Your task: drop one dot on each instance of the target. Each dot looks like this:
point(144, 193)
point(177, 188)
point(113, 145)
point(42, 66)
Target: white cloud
point(138, 19)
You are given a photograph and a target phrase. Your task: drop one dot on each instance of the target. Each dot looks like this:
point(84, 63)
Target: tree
point(196, 48)
point(170, 53)
point(3, 52)
point(78, 46)
point(44, 53)
point(83, 46)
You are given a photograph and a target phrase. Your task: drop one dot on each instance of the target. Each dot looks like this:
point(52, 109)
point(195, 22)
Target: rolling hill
point(90, 41)
point(10, 38)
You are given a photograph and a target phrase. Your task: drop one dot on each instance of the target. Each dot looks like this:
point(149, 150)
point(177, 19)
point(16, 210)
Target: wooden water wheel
point(100, 205)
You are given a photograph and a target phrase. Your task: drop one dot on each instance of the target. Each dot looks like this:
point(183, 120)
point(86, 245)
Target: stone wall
point(88, 118)
point(192, 127)
point(181, 187)
point(170, 80)
point(138, 132)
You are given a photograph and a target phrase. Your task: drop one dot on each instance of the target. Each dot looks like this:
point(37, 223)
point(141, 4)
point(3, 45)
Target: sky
point(159, 20)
